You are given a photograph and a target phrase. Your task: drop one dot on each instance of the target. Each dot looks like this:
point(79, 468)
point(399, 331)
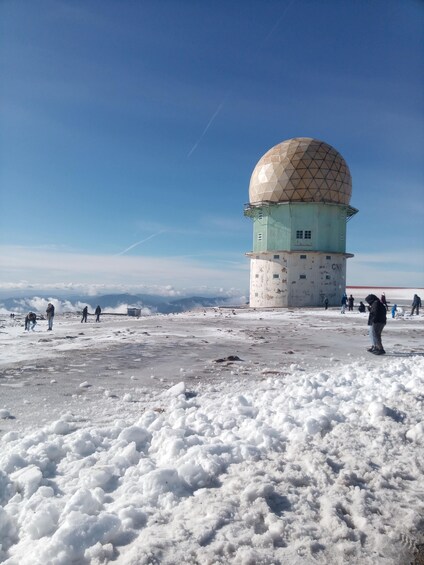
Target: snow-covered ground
point(211, 437)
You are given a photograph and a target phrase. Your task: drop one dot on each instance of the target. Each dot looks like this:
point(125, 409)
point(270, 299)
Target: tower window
point(275, 276)
point(259, 237)
point(276, 256)
point(327, 277)
point(328, 257)
point(303, 256)
point(260, 215)
point(302, 276)
point(299, 234)
point(308, 234)
point(256, 276)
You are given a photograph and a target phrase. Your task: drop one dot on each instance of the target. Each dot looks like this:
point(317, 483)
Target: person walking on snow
point(394, 310)
point(325, 302)
point(350, 302)
point(344, 302)
point(50, 315)
point(416, 304)
point(84, 314)
point(98, 311)
point(376, 322)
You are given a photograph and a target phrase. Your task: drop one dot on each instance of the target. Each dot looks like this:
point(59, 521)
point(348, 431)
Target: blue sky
point(140, 122)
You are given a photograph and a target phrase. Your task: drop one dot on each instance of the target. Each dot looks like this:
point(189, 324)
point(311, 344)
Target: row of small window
point(276, 276)
point(328, 257)
point(300, 234)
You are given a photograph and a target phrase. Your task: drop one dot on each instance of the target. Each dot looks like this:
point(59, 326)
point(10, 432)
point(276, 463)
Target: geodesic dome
point(301, 169)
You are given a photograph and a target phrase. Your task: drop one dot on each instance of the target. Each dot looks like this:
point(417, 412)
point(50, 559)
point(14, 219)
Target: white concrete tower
point(299, 199)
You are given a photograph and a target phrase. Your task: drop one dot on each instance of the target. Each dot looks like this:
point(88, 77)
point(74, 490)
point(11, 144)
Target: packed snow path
point(261, 438)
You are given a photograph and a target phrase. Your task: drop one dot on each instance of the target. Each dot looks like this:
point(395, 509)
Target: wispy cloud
point(18, 263)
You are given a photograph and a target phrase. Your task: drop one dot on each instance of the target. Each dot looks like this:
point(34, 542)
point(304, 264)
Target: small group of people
point(349, 302)
point(31, 317)
point(377, 319)
point(97, 312)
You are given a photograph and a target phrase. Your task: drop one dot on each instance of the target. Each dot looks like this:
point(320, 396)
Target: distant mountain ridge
point(160, 304)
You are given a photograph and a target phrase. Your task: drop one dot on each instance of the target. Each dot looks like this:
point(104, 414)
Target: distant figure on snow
point(384, 301)
point(361, 307)
point(344, 302)
point(394, 310)
point(350, 302)
point(84, 314)
point(98, 311)
point(376, 323)
point(325, 302)
point(30, 321)
point(50, 315)
point(416, 304)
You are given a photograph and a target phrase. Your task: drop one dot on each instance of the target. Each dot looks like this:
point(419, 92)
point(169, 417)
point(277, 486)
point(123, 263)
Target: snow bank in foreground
point(294, 468)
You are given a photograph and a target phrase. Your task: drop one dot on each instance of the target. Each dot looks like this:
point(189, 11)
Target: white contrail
point(206, 129)
point(278, 22)
point(269, 34)
point(138, 242)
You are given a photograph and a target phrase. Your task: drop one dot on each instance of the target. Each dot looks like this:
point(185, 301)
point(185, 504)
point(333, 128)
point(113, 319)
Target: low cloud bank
point(111, 305)
point(39, 305)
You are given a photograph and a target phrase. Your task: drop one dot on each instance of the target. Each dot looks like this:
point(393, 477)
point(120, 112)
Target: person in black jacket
point(98, 311)
point(416, 305)
point(376, 321)
point(84, 314)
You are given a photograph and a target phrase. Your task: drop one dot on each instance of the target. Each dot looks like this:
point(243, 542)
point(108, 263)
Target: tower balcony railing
point(250, 207)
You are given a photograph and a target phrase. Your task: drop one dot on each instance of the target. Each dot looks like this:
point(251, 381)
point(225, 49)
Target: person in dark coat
point(416, 305)
point(98, 311)
point(350, 302)
point(376, 321)
point(361, 307)
point(84, 314)
point(50, 315)
point(325, 302)
point(30, 321)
